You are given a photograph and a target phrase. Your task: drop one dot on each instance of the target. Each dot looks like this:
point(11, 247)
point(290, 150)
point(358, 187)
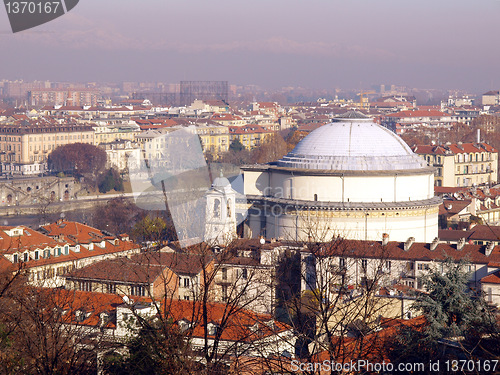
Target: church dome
point(352, 142)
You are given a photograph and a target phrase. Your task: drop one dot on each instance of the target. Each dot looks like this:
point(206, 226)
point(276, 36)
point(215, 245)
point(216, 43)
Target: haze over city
point(252, 188)
point(313, 44)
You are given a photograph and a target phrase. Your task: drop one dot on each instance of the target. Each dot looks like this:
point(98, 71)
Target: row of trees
point(272, 148)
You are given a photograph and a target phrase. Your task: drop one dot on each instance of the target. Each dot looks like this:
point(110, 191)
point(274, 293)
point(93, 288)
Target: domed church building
point(351, 178)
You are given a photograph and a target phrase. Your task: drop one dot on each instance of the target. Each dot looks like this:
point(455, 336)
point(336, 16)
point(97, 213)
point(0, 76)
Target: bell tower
point(220, 214)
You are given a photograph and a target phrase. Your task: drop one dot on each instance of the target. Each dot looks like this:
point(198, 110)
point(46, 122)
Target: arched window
point(217, 208)
point(229, 208)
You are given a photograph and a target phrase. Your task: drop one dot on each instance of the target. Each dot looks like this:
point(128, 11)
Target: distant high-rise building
point(72, 96)
point(203, 90)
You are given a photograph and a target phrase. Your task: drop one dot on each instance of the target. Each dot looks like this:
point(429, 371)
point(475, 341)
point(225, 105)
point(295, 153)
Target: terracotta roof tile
point(493, 278)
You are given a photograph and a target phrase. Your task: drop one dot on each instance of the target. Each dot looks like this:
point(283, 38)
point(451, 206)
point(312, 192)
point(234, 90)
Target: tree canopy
point(78, 158)
point(453, 312)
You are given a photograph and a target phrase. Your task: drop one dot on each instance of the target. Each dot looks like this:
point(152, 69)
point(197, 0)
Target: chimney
point(434, 243)
point(489, 248)
point(385, 239)
point(478, 135)
point(460, 244)
point(408, 243)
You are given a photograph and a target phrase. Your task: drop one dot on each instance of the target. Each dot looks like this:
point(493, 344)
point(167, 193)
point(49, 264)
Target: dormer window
point(66, 249)
point(184, 325)
point(15, 258)
point(37, 255)
point(26, 257)
point(91, 246)
point(212, 329)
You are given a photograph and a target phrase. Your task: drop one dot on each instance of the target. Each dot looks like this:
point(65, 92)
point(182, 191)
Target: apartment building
point(157, 275)
point(107, 131)
point(214, 138)
point(250, 136)
point(461, 164)
point(45, 255)
point(26, 144)
point(71, 96)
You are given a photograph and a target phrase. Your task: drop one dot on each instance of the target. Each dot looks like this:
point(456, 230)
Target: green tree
point(150, 229)
point(236, 145)
point(158, 348)
point(452, 311)
point(110, 180)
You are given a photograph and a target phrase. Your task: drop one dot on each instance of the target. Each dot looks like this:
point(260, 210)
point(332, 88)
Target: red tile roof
point(74, 232)
point(237, 324)
point(454, 148)
point(248, 129)
point(375, 346)
point(58, 235)
point(493, 278)
point(418, 251)
point(419, 113)
point(121, 270)
point(142, 268)
point(240, 324)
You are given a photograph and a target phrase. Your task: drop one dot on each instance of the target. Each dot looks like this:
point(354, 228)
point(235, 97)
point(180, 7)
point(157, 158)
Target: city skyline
point(314, 45)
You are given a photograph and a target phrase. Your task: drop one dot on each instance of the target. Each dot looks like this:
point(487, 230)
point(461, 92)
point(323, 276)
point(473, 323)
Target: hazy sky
point(272, 43)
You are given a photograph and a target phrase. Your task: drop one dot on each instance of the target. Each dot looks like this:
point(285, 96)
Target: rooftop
point(352, 142)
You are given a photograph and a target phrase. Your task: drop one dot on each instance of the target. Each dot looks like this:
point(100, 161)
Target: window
point(388, 265)
point(224, 293)
point(364, 264)
point(66, 249)
point(186, 298)
point(244, 273)
point(186, 282)
point(342, 262)
point(315, 197)
point(224, 274)
point(85, 286)
point(111, 288)
point(138, 290)
point(216, 208)
point(15, 258)
point(26, 257)
point(228, 208)
point(37, 255)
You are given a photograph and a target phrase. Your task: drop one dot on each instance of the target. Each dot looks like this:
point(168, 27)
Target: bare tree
point(332, 299)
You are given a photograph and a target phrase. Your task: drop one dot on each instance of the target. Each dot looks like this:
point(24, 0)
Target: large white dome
point(352, 142)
